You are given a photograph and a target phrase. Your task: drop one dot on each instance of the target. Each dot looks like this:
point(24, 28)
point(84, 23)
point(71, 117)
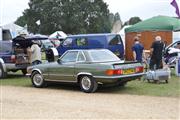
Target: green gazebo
point(161, 23)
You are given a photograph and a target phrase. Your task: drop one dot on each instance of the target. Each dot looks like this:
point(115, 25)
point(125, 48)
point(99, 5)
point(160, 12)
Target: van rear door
point(115, 44)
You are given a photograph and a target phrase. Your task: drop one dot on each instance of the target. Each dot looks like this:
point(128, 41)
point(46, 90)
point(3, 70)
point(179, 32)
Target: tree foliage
point(132, 21)
point(70, 16)
point(113, 18)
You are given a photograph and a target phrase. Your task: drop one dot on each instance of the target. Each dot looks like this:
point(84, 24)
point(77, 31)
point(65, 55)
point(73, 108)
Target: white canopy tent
point(122, 33)
point(15, 29)
point(58, 34)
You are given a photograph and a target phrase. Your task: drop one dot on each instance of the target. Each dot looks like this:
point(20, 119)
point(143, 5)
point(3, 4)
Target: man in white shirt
point(36, 53)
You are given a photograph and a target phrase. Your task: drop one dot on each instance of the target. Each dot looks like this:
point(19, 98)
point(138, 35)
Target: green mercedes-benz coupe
point(88, 68)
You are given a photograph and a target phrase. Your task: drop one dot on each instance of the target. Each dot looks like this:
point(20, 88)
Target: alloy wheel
point(38, 80)
point(86, 83)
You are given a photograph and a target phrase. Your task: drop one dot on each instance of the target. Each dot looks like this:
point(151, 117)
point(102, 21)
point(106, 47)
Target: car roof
point(99, 34)
point(33, 37)
point(178, 41)
point(86, 49)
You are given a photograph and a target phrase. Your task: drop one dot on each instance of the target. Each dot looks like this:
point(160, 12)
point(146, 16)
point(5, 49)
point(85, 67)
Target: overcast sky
point(11, 9)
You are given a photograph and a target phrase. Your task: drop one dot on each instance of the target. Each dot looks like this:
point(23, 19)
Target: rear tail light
point(13, 58)
point(139, 69)
point(109, 72)
point(114, 72)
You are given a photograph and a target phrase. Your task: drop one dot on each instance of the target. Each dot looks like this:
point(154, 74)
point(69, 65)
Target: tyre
point(37, 80)
point(166, 81)
point(24, 71)
point(88, 84)
point(122, 84)
point(2, 72)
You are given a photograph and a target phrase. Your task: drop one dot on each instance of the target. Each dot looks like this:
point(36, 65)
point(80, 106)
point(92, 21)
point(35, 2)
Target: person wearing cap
point(35, 53)
point(22, 34)
point(138, 50)
point(156, 53)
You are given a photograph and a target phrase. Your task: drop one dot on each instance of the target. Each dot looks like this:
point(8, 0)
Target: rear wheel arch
point(83, 74)
point(35, 83)
point(36, 70)
point(87, 83)
point(3, 71)
point(1, 60)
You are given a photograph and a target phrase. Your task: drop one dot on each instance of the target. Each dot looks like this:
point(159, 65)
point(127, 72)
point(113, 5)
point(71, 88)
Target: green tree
point(21, 21)
point(70, 16)
point(117, 17)
point(132, 21)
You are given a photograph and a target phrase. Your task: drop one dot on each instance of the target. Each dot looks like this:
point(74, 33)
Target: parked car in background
point(172, 45)
point(55, 42)
point(88, 68)
point(57, 37)
point(109, 41)
point(46, 44)
point(171, 53)
point(14, 55)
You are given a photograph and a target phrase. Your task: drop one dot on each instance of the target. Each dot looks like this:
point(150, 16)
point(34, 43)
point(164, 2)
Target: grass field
point(172, 89)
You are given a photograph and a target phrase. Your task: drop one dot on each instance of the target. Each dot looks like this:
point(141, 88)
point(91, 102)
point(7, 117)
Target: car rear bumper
point(114, 79)
point(10, 66)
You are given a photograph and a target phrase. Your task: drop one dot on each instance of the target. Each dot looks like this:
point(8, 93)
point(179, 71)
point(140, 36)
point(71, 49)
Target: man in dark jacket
point(157, 53)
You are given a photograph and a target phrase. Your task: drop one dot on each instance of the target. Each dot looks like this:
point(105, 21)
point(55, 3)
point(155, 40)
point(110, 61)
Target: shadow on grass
point(23, 81)
point(63, 86)
point(12, 76)
point(101, 89)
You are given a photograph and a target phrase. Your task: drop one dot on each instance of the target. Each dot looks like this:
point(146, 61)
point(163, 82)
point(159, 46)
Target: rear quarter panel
point(95, 69)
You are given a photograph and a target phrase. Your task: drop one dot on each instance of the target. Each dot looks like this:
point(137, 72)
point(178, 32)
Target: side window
point(81, 42)
point(114, 40)
point(67, 42)
point(81, 57)
point(69, 57)
point(6, 35)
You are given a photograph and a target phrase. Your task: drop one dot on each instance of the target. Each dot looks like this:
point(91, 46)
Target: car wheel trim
point(86, 83)
point(38, 79)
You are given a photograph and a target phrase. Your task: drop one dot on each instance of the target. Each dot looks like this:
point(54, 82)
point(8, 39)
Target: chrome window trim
point(66, 81)
point(78, 57)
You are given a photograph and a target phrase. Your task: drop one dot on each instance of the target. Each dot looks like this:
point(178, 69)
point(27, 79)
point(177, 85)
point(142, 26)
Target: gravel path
point(48, 103)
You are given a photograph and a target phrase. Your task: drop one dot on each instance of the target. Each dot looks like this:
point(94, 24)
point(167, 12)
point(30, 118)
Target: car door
point(64, 71)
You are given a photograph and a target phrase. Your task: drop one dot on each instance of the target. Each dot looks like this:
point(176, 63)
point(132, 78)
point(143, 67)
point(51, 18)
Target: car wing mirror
point(59, 61)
